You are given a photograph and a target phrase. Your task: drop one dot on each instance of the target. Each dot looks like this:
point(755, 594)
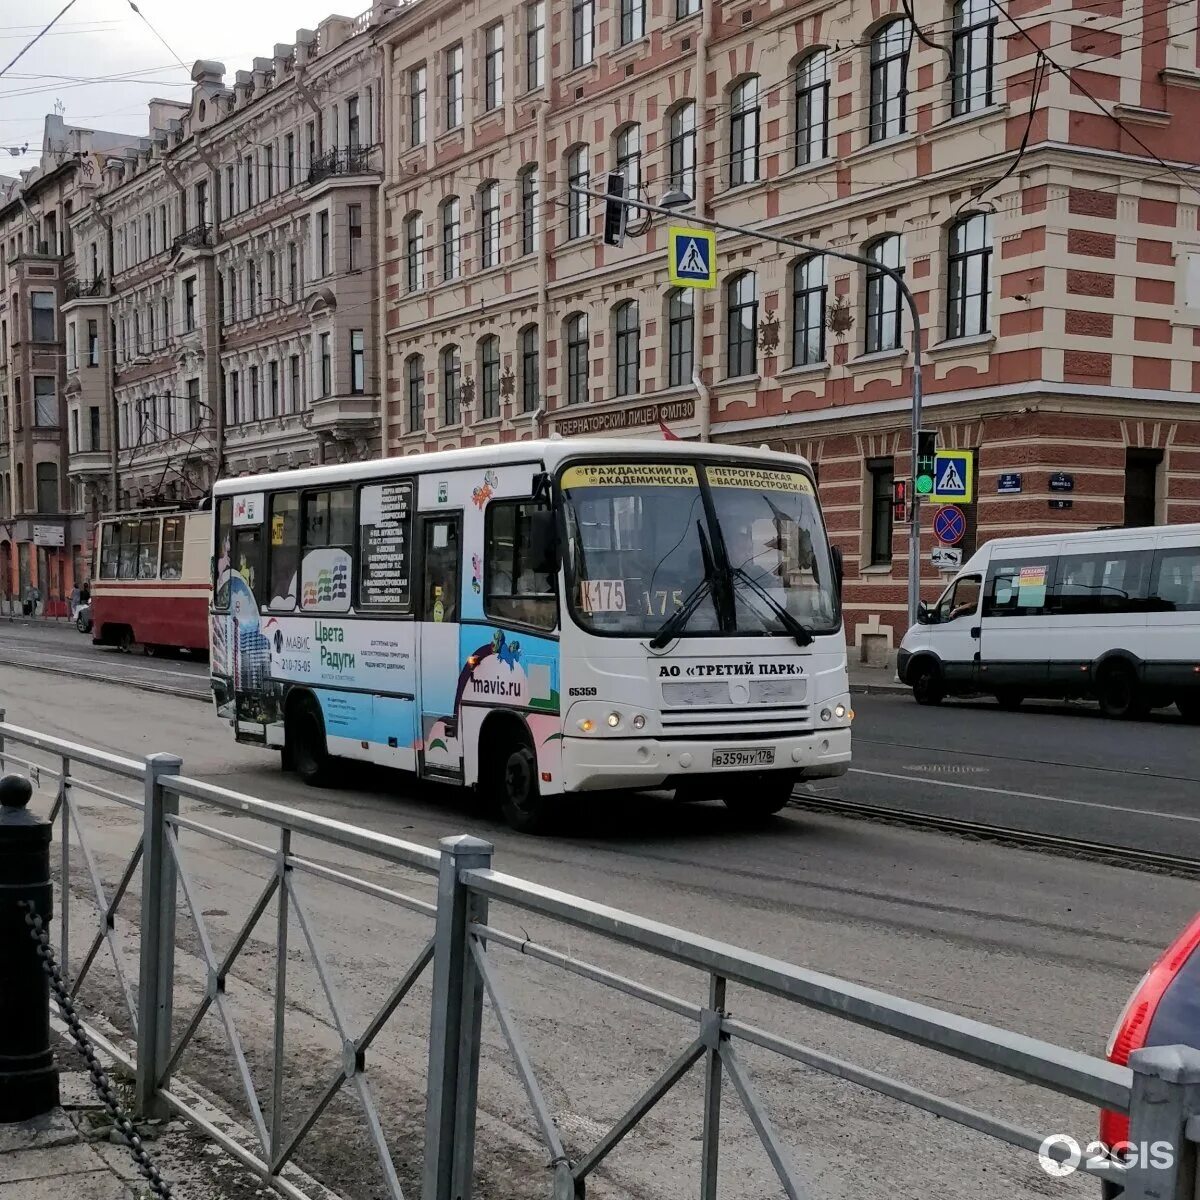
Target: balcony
point(194, 238)
point(354, 160)
point(81, 289)
point(42, 250)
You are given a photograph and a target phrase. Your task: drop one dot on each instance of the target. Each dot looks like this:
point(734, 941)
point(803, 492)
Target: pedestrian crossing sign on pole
point(692, 257)
point(953, 477)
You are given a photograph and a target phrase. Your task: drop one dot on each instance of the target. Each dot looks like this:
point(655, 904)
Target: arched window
point(812, 108)
point(414, 252)
point(741, 302)
point(809, 295)
point(577, 358)
point(489, 376)
point(968, 282)
point(627, 328)
point(889, 79)
point(578, 207)
point(530, 368)
point(629, 157)
point(451, 239)
point(883, 295)
point(681, 144)
point(743, 132)
point(680, 336)
point(451, 386)
point(530, 224)
point(414, 373)
point(972, 55)
point(489, 225)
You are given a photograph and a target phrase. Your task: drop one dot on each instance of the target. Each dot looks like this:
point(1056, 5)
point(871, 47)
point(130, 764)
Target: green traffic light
point(924, 484)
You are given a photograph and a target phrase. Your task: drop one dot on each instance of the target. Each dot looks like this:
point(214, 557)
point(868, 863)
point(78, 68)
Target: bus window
point(247, 557)
point(172, 548)
point(512, 591)
point(441, 569)
point(1177, 581)
point(222, 559)
point(110, 551)
point(328, 530)
point(285, 550)
point(1018, 589)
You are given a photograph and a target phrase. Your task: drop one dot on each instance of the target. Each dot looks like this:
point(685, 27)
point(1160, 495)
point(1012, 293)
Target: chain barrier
point(37, 931)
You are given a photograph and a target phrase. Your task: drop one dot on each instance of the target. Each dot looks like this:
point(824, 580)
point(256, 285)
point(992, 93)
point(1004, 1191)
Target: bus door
point(441, 598)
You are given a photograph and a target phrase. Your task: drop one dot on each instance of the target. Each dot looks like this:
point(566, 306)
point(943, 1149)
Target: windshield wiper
point(801, 635)
point(675, 623)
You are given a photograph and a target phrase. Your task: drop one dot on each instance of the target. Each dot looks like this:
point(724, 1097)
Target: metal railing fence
point(1160, 1090)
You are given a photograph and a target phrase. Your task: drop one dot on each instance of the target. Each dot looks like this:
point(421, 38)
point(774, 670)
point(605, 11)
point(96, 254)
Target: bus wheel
point(927, 684)
point(1189, 708)
point(1118, 694)
point(760, 796)
point(514, 779)
point(1009, 699)
point(306, 747)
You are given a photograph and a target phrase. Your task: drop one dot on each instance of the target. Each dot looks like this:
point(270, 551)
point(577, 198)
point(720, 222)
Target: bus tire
point(760, 796)
point(1189, 708)
point(927, 685)
point(1118, 693)
point(306, 749)
point(1009, 699)
point(513, 781)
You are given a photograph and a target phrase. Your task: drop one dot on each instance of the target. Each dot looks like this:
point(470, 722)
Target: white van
point(1113, 615)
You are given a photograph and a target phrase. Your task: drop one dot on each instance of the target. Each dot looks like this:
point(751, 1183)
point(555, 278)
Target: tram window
point(127, 563)
point(172, 548)
point(110, 551)
point(147, 559)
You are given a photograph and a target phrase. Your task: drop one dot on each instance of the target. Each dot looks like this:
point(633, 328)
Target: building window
point(72, 363)
point(535, 45)
point(682, 147)
point(293, 273)
point(93, 352)
point(358, 362)
point(529, 209)
point(73, 437)
point(633, 20)
point(254, 401)
point(270, 171)
point(451, 386)
point(273, 388)
point(741, 296)
point(1142, 469)
point(578, 207)
point(889, 80)
point(454, 81)
point(583, 32)
point(94, 438)
point(310, 133)
point(489, 225)
point(414, 254)
point(417, 96)
point(189, 303)
point(415, 370)
point(881, 473)
point(968, 283)
point(193, 405)
point(812, 108)
point(233, 399)
point(354, 221)
point(883, 295)
point(489, 377)
point(45, 401)
point(628, 330)
point(353, 140)
point(289, 156)
point(681, 334)
point(47, 487)
point(326, 367)
point(743, 133)
point(450, 239)
point(248, 180)
point(41, 317)
point(530, 368)
point(493, 67)
point(577, 359)
point(809, 298)
point(972, 55)
point(629, 158)
point(687, 8)
point(323, 242)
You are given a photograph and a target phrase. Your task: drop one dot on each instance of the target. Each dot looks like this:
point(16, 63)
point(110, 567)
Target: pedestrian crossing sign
point(953, 477)
point(692, 257)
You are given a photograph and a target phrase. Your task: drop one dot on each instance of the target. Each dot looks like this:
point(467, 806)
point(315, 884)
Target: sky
point(95, 40)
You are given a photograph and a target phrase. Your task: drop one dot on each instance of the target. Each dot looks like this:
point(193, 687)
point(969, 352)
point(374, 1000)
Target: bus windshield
point(642, 543)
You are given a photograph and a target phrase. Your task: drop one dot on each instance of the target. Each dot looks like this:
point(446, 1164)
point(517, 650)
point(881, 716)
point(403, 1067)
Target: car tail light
point(1133, 1025)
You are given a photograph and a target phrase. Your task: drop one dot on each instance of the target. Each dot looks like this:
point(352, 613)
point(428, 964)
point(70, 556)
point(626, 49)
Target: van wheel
point(1009, 700)
point(1189, 707)
point(927, 684)
point(513, 779)
point(759, 797)
point(1118, 693)
point(304, 731)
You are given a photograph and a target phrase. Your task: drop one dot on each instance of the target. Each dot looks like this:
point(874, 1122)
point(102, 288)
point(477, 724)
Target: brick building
point(1029, 166)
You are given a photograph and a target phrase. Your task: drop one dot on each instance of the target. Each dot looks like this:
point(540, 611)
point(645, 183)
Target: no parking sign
point(950, 524)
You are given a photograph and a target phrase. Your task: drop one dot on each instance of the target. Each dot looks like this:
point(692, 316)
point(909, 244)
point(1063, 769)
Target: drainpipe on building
point(114, 475)
point(704, 399)
point(535, 419)
point(212, 309)
point(543, 267)
point(699, 306)
point(381, 352)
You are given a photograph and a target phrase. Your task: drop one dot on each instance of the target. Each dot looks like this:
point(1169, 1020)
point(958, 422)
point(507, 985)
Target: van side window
point(1177, 581)
point(513, 591)
point(1018, 589)
point(961, 600)
point(328, 532)
point(1101, 582)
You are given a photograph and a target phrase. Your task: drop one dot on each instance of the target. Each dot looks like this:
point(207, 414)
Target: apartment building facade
point(1028, 169)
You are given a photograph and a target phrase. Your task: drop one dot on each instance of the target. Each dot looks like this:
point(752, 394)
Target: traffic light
point(925, 465)
point(899, 501)
point(615, 212)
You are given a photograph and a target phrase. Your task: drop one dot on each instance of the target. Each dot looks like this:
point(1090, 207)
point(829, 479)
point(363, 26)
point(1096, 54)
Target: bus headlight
point(638, 722)
point(839, 711)
point(826, 715)
point(614, 720)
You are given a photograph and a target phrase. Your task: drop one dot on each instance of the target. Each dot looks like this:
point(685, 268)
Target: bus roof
point(551, 451)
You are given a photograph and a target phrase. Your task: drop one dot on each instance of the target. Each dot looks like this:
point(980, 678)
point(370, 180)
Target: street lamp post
point(673, 201)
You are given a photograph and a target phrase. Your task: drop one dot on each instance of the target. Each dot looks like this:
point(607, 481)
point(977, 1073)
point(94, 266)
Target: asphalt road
point(1045, 945)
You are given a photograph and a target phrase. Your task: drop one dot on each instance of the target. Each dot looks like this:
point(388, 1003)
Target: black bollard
point(28, 1076)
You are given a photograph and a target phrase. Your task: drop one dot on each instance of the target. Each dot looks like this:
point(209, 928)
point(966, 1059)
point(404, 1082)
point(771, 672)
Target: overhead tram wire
point(170, 48)
point(37, 37)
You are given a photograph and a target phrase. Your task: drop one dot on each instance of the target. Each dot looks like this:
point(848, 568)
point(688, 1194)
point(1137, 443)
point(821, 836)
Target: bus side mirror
point(543, 541)
point(839, 567)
